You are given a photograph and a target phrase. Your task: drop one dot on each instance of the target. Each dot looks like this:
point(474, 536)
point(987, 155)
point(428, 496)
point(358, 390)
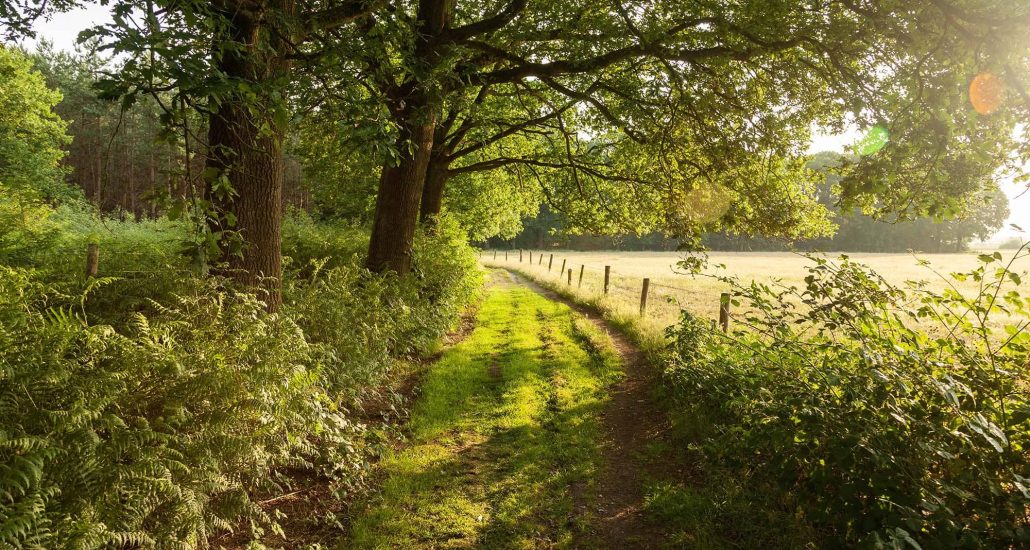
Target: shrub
point(362, 320)
point(153, 407)
point(332, 242)
point(153, 433)
point(890, 417)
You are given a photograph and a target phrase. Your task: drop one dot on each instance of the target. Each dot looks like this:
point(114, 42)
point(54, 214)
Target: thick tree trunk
point(245, 149)
point(253, 166)
point(432, 194)
point(397, 203)
point(414, 107)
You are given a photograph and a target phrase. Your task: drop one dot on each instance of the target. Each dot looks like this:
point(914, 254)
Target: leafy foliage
point(889, 417)
point(31, 135)
point(153, 407)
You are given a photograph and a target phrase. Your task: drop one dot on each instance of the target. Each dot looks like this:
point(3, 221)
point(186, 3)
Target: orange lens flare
point(985, 93)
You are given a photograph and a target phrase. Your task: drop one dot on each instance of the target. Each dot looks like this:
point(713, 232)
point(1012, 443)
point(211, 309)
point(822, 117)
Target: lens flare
point(874, 140)
point(985, 93)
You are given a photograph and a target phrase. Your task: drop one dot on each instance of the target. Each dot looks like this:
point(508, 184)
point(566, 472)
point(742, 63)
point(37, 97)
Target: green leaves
point(907, 410)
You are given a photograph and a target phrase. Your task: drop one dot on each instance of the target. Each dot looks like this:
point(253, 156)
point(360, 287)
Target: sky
point(63, 29)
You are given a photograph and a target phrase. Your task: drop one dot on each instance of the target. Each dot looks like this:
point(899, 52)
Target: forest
point(250, 294)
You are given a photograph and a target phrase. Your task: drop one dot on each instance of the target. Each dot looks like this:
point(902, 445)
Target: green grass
point(705, 505)
point(504, 443)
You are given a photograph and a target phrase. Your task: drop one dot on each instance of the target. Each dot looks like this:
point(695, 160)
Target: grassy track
point(504, 443)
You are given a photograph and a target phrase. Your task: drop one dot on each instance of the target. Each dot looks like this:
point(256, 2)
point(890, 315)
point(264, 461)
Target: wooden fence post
point(520, 255)
point(531, 257)
point(562, 267)
point(550, 263)
point(92, 259)
point(541, 260)
point(607, 276)
point(570, 277)
point(724, 311)
point(581, 267)
point(495, 254)
point(643, 296)
point(506, 255)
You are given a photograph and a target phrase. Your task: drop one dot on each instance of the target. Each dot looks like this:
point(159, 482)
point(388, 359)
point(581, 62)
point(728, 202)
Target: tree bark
point(252, 163)
point(432, 195)
point(397, 202)
point(414, 106)
point(245, 147)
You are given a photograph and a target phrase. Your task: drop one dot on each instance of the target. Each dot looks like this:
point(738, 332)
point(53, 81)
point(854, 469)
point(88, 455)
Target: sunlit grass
point(506, 426)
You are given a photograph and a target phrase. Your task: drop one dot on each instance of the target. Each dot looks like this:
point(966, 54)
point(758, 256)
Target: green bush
point(333, 242)
point(153, 432)
point(889, 418)
point(152, 406)
point(361, 320)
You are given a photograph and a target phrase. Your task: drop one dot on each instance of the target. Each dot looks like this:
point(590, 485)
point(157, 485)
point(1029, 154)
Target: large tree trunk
point(253, 165)
point(432, 195)
point(397, 203)
point(245, 148)
point(414, 107)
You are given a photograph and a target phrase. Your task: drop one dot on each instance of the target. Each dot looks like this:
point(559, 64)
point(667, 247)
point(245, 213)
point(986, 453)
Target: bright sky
point(63, 29)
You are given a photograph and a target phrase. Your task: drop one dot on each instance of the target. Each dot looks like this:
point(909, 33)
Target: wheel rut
point(632, 420)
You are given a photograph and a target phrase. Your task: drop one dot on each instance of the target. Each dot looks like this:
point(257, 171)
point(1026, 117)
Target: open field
point(672, 288)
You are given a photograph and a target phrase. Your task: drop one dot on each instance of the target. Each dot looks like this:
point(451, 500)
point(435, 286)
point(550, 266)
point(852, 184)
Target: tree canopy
point(669, 114)
point(642, 115)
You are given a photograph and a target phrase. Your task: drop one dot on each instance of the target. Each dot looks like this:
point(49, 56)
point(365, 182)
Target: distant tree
point(1012, 243)
point(32, 136)
point(31, 146)
point(121, 158)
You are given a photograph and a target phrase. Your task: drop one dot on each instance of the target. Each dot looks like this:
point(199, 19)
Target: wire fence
point(657, 301)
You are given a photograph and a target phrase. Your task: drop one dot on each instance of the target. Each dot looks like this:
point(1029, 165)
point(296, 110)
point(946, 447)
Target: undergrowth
point(153, 406)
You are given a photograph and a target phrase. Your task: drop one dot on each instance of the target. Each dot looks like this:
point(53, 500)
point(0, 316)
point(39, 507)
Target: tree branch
point(488, 25)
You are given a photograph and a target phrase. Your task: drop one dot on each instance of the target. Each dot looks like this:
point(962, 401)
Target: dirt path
point(631, 420)
point(527, 434)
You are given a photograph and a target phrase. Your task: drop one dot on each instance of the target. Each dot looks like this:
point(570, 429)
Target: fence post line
point(562, 266)
point(724, 311)
point(643, 296)
point(581, 266)
point(541, 260)
point(520, 255)
point(92, 259)
point(607, 276)
point(506, 255)
point(530, 257)
point(550, 263)
point(495, 254)
point(570, 277)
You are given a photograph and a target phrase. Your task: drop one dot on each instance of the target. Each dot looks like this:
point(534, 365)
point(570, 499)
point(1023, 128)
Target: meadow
point(673, 288)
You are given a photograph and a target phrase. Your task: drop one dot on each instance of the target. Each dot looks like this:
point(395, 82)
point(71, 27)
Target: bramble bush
point(889, 417)
point(151, 406)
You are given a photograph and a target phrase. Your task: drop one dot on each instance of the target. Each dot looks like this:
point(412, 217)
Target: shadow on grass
point(505, 439)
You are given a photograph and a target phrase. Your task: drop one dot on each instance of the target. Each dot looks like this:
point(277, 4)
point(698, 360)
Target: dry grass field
point(672, 289)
